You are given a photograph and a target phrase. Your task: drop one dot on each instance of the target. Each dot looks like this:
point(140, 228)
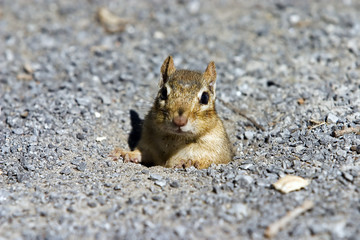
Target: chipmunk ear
point(167, 69)
point(210, 76)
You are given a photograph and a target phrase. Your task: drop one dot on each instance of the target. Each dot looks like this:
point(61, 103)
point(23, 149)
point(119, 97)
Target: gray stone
point(174, 184)
point(348, 176)
point(341, 153)
point(248, 166)
point(161, 183)
point(155, 177)
point(247, 179)
point(4, 196)
point(66, 170)
point(84, 101)
point(81, 167)
point(157, 198)
point(106, 100)
point(331, 118)
point(92, 204)
point(18, 131)
point(249, 135)
point(239, 210)
point(180, 231)
point(5, 149)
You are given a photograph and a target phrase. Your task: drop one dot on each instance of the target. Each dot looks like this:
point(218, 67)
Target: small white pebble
point(159, 35)
point(99, 139)
point(97, 115)
point(294, 19)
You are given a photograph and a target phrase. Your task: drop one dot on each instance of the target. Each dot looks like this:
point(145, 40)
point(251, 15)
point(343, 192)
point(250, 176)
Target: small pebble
point(81, 167)
point(80, 136)
point(92, 204)
point(155, 177)
point(101, 200)
point(174, 184)
point(97, 115)
point(249, 135)
point(247, 166)
point(66, 170)
point(156, 198)
point(331, 118)
point(100, 139)
point(70, 209)
point(348, 176)
point(24, 114)
point(161, 183)
point(180, 231)
point(18, 131)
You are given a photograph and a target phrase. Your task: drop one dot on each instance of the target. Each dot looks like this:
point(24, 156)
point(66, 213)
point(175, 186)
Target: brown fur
point(201, 142)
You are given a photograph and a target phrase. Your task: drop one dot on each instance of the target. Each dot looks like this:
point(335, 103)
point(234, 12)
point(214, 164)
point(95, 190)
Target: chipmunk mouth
point(187, 129)
point(180, 131)
point(177, 130)
point(171, 128)
point(184, 130)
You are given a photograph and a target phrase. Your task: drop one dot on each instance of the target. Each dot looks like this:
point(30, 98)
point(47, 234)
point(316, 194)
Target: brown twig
point(315, 123)
point(274, 122)
point(339, 133)
point(235, 110)
point(275, 227)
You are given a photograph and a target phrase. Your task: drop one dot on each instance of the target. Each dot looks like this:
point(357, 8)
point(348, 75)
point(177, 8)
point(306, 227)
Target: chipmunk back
point(182, 128)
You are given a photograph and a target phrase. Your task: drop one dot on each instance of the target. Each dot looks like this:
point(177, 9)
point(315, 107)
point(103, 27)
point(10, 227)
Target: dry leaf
point(110, 21)
point(291, 183)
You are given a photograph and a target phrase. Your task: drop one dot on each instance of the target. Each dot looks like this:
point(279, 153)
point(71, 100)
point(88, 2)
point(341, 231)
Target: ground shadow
point(135, 134)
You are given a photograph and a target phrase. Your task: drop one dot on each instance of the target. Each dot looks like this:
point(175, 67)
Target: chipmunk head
point(185, 103)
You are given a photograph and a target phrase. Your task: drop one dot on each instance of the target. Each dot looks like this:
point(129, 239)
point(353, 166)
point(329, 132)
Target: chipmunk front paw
point(127, 156)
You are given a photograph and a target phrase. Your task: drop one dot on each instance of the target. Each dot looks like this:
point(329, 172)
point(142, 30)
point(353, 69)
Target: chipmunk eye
point(163, 93)
point(204, 98)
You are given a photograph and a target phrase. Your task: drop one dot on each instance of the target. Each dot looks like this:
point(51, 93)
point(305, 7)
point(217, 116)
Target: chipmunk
point(182, 129)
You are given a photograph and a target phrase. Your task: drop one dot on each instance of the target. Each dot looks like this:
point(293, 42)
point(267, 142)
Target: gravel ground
point(293, 66)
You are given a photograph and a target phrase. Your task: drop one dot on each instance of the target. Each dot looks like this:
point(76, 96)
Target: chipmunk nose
point(180, 121)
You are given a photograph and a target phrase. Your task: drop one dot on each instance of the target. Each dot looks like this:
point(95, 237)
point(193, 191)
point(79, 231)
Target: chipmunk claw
point(134, 157)
point(187, 163)
point(127, 156)
point(116, 154)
